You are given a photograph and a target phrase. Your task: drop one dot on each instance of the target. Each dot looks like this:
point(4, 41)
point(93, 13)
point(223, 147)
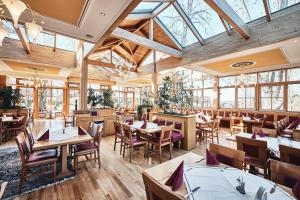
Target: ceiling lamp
point(3, 34)
point(33, 29)
point(16, 8)
point(242, 79)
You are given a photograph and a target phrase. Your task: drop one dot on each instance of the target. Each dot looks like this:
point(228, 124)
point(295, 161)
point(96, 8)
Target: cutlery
point(200, 160)
point(193, 191)
point(273, 188)
point(260, 193)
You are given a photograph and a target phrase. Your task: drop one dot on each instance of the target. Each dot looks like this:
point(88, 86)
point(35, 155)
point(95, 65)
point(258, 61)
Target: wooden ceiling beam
point(139, 16)
point(108, 65)
point(122, 16)
point(139, 40)
point(267, 9)
point(227, 13)
point(23, 39)
point(188, 22)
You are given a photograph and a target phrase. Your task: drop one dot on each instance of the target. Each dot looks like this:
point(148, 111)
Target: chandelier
point(241, 78)
point(16, 8)
point(35, 82)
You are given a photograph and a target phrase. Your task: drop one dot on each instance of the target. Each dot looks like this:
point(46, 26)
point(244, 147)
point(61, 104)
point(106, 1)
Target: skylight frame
point(150, 10)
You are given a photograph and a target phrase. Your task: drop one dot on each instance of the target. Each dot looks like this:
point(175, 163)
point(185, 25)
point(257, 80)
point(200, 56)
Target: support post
point(83, 64)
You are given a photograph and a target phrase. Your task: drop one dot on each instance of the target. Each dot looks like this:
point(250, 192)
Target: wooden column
point(215, 93)
point(83, 64)
point(154, 85)
point(36, 102)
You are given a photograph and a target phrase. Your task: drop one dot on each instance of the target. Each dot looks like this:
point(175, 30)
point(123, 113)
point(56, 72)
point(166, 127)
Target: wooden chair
point(17, 128)
point(268, 132)
point(228, 156)
point(68, 120)
point(131, 141)
point(163, 140)
point(289, 154)
point(212, 131)
point(177, 133)
point(33, 159)
point(118, 135)
point(89, 148)
point(237, 124)
point(156, 191)
point(255, 152)
point(284, 173)
point(296, 135)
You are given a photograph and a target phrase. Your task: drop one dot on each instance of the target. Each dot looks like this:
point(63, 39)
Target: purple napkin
point(294, 124)
point(44, 137)
point(176, 179)
point(253, 136)
point(211, 159)
point(296, 189)
point(81, 131)
point(261, 133)
point(144, 125)
point(129, 121)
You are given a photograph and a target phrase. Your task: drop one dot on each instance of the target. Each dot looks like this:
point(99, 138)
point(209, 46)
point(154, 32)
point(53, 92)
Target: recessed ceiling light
point(89, 36)
point(102, 14)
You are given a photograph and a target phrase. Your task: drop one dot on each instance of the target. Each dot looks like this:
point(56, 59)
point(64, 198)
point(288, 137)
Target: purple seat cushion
point(162, 122)
point(176, 136)
point(85, 147)
point(178, 125)
point(169, 123)
point(138, 140)
point(296, 189)
point(41, 155)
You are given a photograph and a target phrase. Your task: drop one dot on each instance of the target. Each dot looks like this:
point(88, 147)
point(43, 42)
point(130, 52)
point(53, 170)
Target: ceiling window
point(159, 55)
point(248, 10)
point(272, 76)
point(66, 43)
point(146, 7)
point(276, 5)
point(44, 38)
point(205, 19)
point(10, 29)
point(175, 24)
point(293, 74)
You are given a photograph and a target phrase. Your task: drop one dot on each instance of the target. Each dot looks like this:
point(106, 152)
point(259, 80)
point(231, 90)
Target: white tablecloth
point(56, 134)
point(218, 183)
point(138, 124)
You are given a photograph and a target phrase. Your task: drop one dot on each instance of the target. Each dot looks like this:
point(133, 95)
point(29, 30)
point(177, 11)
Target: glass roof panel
point(248, 10)
point(145, 7)
point(149, 59)
point(175, 24)
point(44, 38)
point(276, 5)
point(66, 43)
point(10, 29)
point(204, 18)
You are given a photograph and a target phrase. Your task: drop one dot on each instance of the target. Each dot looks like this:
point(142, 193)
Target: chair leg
point(131, 152)
point(170, 150)
point(54, 170)
point(22, 178)
point(160, 152)
point(76, 163)
point(99, 162)
point(115, 143)
point(218, 137)
point(121, 146)
point(179, 144)
point(124, 147)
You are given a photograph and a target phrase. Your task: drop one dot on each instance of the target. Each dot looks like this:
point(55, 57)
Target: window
point(57, 99)
point(293, 74)
point(159, 55)
point(204, 18)
point(129, 100)
point(27, 100)
point(44, 38)
point(227, 97)
point(197, 98)
point(246, 98)
point(272, 76)
point(271, 97)
point(66, 43)
point(146, 7)
point(294, 97)
point(73, 96)
point(248, 10)
point(10, 29)
point(227, 81)
point(175, 24)
point(276, 5)
point(207, 98)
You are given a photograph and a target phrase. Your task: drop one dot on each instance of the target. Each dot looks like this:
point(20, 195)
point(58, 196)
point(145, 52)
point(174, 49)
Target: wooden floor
point(117, 178)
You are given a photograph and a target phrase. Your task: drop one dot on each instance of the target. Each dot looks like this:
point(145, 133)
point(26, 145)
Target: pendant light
point(33, 29)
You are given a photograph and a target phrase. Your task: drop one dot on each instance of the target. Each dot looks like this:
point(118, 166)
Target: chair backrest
point(284, 173)
point(266, 131)
point(169, 123)
point(178, 126)
point(30, 137)
point(256, 149)
point(127, 132)
point(228, 156)
point(156, 191)
point(96, 133)
point(23, 147)
point(289, 154)
point(162, 122)
point(118, 128)
point(216, 124)
point(165, 134)
point(296, 135)
point(236, 121)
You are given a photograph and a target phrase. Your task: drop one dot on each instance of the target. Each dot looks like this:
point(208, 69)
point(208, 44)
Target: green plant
point(107, 98)
point(11, 97)
point(16, 97)
point(94, 99)
point(163, 100)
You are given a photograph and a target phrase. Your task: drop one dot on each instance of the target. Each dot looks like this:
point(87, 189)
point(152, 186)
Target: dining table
point(62, 137)
point(200, 122)
point(251, 122)
point(272, 143)
point(214, 182)
point(151, 127)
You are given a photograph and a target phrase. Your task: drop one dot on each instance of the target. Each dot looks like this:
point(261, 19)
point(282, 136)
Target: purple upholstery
point(259, 116)
point(225, 160)
point(227, 114)
point(211, 159)
point(129, 121)
point(162, 122)
point(253, 136)
point(45, 136)
point(176, 136)
point(176, 179)
point(137, 140)
point(169, 123)
point(296, 189)
point(290, 181)
point(295, 124)
point(85, 147)
point(156, 121)
point(41, 155)
point(269, 118)
point(156, 140)
point(178, 125)
point(293, 118)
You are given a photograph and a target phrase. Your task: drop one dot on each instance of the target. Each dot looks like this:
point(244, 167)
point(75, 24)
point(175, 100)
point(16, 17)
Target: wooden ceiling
point(131, 51)
point(69, 11)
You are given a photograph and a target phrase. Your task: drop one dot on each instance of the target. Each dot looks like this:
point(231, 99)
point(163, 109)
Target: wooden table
point(203, 123)
point(250, 122)
point(151, 128)
point(161, 173)
point(57, 139)
point(272, 143)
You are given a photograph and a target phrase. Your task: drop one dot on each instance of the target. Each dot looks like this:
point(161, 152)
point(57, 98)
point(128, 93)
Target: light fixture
point(3, 34)
point(102, 14)
point(242, 79)
point(33, 29)
point(16, 8)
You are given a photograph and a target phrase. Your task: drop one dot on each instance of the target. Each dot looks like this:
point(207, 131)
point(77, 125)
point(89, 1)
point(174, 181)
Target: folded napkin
point(261, 133)
point(253, 136)
point(129, 121)
point(211, 159)
point(44, 136)
point(81, 131)
point(144, 124)
point(296, 189)
point(176, 179)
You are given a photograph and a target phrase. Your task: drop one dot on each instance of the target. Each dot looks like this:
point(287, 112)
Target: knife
point(190, 193)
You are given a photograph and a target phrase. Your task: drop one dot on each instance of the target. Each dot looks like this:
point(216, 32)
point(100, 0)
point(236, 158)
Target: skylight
point(276, 5)
point(159, 55)
point(44, 38)
point(175, 24)
point(248, 10)
point(204, 18)
point(66, 43)
point(146, 7)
